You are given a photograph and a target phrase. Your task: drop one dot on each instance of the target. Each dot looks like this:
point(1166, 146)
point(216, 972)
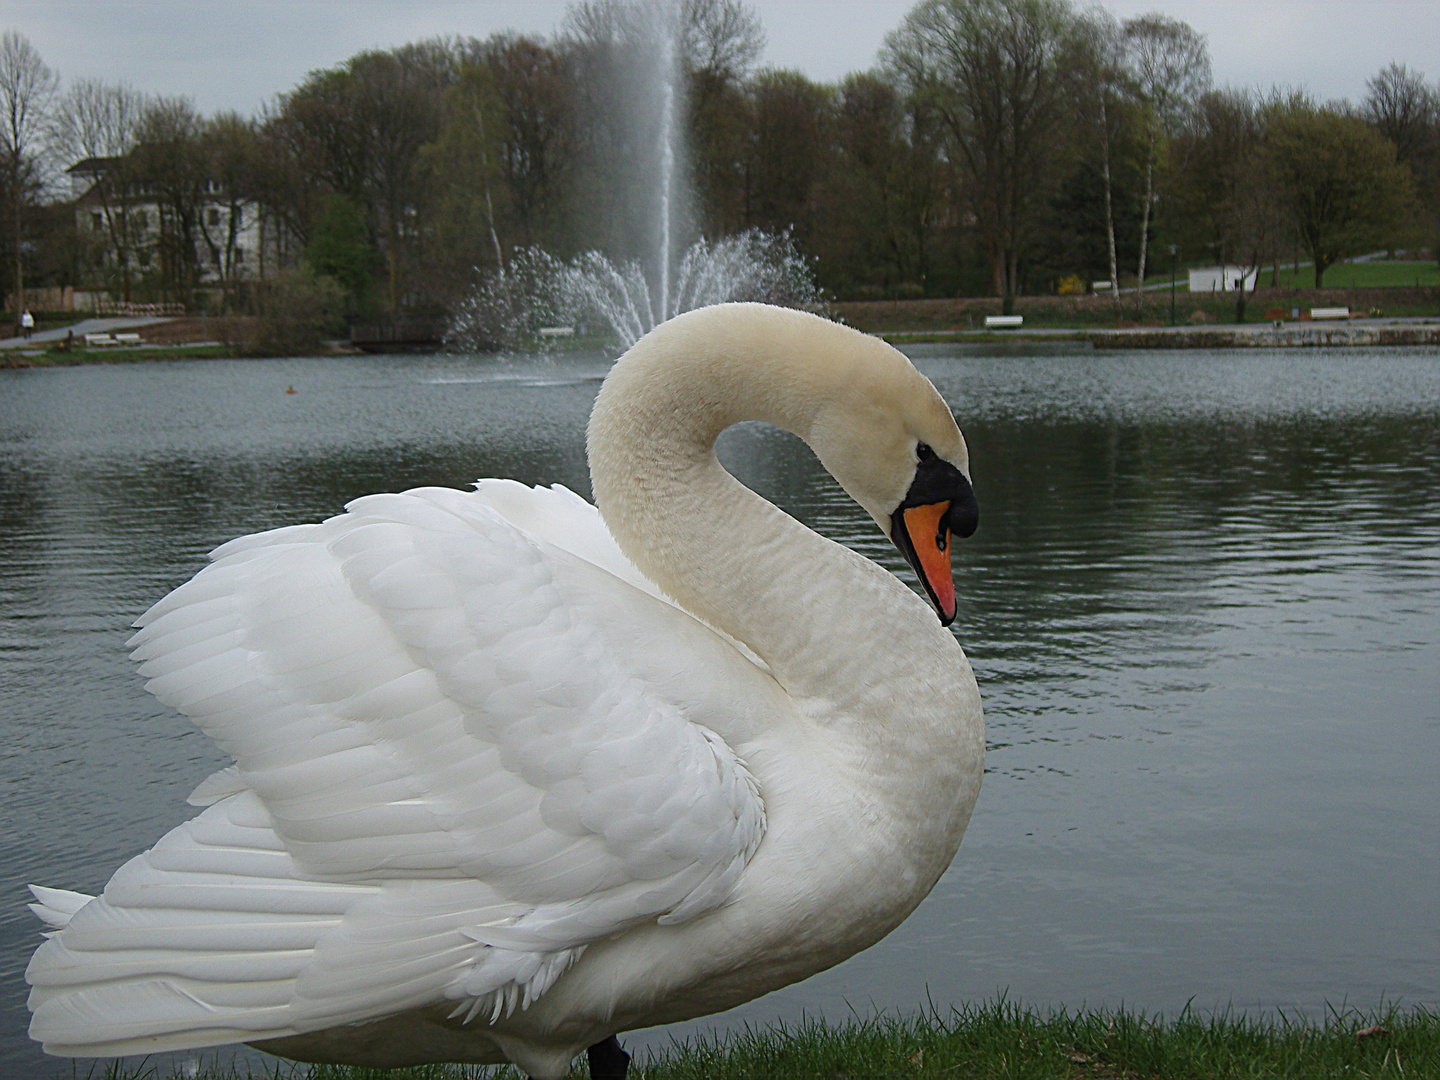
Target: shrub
point(295, 313)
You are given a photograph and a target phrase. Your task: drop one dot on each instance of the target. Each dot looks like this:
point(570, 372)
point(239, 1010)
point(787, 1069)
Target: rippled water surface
point(1203, 606)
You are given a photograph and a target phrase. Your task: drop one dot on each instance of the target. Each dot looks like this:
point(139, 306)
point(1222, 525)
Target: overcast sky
point(238, 54)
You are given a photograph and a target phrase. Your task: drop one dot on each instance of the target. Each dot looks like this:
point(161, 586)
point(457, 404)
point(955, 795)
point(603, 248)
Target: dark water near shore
point(1203, 606)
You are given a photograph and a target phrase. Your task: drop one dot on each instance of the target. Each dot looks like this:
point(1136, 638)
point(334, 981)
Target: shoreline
point(19, 358)
point(1288, 335)
point(1360, 333)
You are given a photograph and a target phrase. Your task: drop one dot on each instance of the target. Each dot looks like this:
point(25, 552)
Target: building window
point(212, 216)
point(142, 219)
point(143, 257)
point(239, 254)
point(97, 221)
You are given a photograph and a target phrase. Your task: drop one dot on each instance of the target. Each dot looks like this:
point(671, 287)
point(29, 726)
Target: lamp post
point(1172, 284)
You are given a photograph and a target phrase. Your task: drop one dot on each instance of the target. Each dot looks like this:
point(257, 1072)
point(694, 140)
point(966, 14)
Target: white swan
point(506, 786)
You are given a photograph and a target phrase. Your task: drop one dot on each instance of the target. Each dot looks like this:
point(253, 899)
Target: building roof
point(92, 165)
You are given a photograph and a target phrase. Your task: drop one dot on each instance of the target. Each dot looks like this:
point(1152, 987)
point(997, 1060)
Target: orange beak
point(926, 544)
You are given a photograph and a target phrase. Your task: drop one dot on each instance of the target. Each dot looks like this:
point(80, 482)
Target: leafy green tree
point(788, 153)
point(469, 206)
point(1338, 179)
point(885, 194)
point(357, 129)
point(721, 132)
point(341, 249)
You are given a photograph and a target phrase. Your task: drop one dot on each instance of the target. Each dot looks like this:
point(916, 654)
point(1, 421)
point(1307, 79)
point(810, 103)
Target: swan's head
point(890, 440)
point(878, 425)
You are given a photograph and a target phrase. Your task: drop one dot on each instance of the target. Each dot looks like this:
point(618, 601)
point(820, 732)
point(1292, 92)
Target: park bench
point(1001, 322)
point(557, 331)
point(1329, 313)
point(129, 339)
point(99, 340)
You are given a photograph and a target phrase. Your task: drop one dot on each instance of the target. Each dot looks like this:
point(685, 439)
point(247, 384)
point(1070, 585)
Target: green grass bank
point(997, 1039)
point(55, 357)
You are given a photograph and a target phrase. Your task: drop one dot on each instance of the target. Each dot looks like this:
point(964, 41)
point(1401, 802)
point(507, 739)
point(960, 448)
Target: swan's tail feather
point(216, 936)
point(54, 907)
point(150, 1016)
point(178, 953)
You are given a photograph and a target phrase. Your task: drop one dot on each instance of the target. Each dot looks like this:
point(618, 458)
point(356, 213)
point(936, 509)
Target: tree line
point(999, 147)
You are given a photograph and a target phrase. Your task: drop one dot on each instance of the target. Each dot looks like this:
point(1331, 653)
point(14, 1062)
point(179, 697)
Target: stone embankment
point(1150, 311)
point(1287, 336)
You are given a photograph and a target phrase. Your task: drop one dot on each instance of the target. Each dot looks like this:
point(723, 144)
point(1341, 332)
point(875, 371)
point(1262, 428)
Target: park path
point(80, 329)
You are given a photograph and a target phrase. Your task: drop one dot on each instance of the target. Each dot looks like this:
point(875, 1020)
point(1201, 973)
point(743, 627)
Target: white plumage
point(478, 749)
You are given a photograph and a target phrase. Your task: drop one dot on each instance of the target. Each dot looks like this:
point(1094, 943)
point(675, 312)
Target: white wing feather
point(469, 738)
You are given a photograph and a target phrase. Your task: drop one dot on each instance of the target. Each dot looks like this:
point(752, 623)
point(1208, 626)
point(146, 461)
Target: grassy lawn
point(1000, 1039)
point(1376, 275)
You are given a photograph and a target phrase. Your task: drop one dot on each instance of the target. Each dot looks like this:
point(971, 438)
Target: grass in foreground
point(997, 1039)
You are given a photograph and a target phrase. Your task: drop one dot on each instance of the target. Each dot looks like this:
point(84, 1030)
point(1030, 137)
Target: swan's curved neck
point(721, 551)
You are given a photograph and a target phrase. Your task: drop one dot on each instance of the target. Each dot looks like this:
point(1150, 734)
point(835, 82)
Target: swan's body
point(509, 782)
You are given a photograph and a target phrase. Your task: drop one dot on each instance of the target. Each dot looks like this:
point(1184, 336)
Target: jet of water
point(614, 300)
point(600, 299)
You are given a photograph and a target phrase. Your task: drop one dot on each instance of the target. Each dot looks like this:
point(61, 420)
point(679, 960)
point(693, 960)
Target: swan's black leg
point(607, 1060)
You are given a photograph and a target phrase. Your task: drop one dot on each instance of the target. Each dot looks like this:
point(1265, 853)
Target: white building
point(1223, 279)
point(224, 255)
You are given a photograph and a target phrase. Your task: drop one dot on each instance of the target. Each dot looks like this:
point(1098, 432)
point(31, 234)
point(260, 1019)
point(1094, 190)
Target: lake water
point(1203, 606)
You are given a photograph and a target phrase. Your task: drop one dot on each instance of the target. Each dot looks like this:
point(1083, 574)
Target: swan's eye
point(923, 452)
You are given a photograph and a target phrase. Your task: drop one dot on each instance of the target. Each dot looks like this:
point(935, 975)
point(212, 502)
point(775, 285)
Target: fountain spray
point(619, 300)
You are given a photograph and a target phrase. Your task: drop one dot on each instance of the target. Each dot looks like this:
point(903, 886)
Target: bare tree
point(535, 99)
point(96, 124)
point(1104, 88)
point(1256, 220)
point(170, 166)
point(229, 148)
point(1171, 66)
point(26, 88)
point(991, 69)
point(1403, 109)
point(1234, 192)
point(722, 41)
point(723, 37)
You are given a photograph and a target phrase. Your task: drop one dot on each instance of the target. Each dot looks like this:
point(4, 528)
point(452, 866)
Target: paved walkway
point(85, 326)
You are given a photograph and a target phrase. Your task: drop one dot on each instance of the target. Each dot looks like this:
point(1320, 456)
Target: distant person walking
point(27, 324)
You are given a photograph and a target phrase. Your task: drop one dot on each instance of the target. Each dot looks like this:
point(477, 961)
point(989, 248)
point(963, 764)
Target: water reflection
point(1203, 604)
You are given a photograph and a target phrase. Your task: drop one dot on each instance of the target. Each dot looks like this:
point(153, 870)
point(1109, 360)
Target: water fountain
point(617, 299)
